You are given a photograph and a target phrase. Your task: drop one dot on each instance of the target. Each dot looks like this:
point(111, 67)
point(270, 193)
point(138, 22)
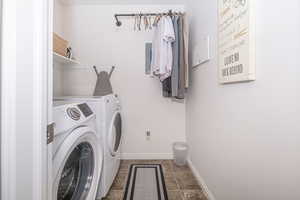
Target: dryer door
point(115, 134)
point(78, 166)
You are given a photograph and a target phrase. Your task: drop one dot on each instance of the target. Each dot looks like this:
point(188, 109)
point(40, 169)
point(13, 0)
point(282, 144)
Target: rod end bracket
point(118, 22)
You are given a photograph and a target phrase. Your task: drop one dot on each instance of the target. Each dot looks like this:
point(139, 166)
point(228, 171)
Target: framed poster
point(236, 42)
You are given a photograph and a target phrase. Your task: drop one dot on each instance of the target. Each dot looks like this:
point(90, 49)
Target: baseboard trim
point(201, 181)
point(146, 156)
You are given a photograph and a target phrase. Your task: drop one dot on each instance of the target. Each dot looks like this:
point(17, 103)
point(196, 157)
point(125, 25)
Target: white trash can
point(180, 150)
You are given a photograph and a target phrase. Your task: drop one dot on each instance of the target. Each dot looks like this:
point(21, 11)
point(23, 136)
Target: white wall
point(58, 27)
point(57, 79)
point(97, 41)
point(59, 17)
point(245, 137)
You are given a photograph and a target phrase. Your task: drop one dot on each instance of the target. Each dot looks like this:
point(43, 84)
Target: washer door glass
point(77, 175)
point(116, 134)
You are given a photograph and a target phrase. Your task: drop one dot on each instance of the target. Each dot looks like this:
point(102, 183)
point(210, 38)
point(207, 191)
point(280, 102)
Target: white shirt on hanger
point(162, 57)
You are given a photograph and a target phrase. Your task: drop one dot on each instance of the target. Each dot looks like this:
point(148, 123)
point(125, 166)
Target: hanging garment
point(186, 49)
point(179, 78)
point(181, 82)
point(162, 57)
point(148, 58)
point(176, 61)
point(103, 85)
point(167, 87)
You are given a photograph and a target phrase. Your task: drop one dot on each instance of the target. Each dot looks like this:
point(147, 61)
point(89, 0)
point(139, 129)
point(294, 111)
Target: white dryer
point(77, 153)
point(109, 127)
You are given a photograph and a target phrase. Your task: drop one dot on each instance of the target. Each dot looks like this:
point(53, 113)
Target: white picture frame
point(236, 41)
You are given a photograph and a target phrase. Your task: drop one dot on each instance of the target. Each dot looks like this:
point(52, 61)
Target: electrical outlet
point(148, 135)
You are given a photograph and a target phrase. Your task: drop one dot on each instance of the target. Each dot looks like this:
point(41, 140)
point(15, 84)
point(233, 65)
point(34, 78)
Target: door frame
point(49, 100)
point(0, 89)
point(8, 96)
point(40, 90)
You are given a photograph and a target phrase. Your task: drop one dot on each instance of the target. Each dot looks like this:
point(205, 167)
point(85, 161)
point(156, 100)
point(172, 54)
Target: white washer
point(77, 152)
point(109, 125)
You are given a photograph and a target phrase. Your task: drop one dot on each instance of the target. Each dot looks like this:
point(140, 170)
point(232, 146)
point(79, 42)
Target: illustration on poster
point(239, 3)
point(235, 3)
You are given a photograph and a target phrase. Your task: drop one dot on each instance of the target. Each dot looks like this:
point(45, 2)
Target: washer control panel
point(69, 116)
point(85, 109)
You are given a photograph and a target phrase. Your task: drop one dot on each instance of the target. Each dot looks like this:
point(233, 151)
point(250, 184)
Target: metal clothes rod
point(119, 23)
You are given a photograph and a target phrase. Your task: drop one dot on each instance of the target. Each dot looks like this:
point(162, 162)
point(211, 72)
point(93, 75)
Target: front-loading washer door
point(115, 134)
point(77, 166)
point(77, 175)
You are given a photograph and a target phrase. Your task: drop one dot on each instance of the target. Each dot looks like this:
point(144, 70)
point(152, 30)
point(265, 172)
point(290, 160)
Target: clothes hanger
point(146, 23)
point(95, 68)
point(111, 71)
point(155, 20)
point(140, 21)
point(135, 23)
point(159, 16)
point(150, 22)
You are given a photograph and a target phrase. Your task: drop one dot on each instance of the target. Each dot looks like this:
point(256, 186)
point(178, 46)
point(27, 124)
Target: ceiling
point(125, 2)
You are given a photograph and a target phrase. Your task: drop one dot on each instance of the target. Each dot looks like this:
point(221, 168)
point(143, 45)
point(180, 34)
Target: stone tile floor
point(180, 181)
